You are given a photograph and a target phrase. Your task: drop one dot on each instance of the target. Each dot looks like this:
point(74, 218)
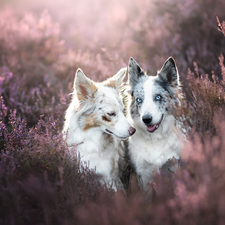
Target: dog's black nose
point(131, 130)
point(147, 119)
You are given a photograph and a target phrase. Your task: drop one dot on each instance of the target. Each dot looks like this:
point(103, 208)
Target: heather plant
point(40, 183)
point(207, 94)
point(193, 195)
point(150, 31)
point(29, 48)
point(187, 30)
point(193, 24)
point(36, 68)
point(38, 176)
point(207, 98)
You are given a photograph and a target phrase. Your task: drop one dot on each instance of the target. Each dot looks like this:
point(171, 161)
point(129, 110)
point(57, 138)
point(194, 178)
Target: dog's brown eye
point(111, 114)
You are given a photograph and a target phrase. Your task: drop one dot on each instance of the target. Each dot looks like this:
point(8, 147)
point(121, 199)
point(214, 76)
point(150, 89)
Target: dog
point(95, 124)
point(156, 145)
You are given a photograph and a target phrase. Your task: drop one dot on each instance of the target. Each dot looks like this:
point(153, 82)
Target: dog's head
point(152, 95)
point(101, 106)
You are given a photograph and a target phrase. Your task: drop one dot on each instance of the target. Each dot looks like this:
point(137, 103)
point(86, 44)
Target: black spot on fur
point(134, 109)
point(139, 69)
point(106, 119)
point(164, 84)
point(169, 76)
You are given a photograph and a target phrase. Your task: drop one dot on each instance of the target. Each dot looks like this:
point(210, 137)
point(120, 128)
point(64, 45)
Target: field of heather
point(42, 43)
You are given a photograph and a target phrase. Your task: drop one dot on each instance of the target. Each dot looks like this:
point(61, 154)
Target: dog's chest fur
point(153, 151)
point(99, 151)
point(102, 154)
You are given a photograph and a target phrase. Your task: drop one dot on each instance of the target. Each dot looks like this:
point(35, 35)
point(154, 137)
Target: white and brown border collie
point(96, 125)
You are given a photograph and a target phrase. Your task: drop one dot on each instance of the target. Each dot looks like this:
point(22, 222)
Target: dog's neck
point(97, 140)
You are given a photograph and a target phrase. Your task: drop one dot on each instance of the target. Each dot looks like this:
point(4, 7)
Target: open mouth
point(110, 132)
point(152, 128)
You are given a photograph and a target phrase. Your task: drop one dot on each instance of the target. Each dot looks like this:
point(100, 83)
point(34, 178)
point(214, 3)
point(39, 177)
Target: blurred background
point(42, 43)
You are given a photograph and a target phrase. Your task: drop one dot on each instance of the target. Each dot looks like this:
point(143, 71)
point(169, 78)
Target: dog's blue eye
point(138, 100)
point(158, 97)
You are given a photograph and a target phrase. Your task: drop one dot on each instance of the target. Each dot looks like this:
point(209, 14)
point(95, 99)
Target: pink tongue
point(151, 128)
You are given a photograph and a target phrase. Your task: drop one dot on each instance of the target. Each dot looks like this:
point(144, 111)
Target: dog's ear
point(83, 86)
point(135, 72)
point(169, 72)
point(117, 79)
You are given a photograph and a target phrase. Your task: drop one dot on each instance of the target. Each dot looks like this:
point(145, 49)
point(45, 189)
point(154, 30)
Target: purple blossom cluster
point(40, 183)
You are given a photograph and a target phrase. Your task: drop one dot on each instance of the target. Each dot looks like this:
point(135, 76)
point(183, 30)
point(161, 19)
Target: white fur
point(99, 150)
point(152, 151)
